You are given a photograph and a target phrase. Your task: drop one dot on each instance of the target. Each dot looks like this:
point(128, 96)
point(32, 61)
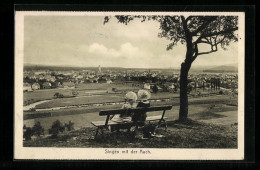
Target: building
point(109, 81)
point(27, 87)
point(46, 85)
point(68, 85)
point(36, 86)
point(99, 70)
point(147, 86)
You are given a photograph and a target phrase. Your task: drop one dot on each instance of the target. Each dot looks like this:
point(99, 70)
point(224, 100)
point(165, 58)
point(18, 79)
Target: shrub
point(32, 109)
point(189, 88)
point(69, 126)
point(58, 95)
point(221, 92)
point(56, 128)
point(28, 133)
point(37, 129)
point(155, 89)
point(75, 93)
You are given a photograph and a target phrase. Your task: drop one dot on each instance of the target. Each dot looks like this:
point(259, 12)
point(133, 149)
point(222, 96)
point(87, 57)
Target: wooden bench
point(101, 125)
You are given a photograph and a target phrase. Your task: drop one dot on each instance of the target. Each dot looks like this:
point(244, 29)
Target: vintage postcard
point(129, 85)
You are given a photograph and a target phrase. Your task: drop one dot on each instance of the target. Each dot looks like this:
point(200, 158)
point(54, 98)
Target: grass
point(210, 128)
point(190, 134)
point(211, 100)
point(45, 94)
point(84, 90)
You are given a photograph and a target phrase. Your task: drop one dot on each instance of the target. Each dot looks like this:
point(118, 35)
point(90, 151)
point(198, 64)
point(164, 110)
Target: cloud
point(86, 41)
point(125, 50)
point(136, 30)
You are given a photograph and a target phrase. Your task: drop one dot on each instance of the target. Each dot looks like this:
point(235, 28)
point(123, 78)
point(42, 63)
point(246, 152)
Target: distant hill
point(223, 68)
point(30, 67)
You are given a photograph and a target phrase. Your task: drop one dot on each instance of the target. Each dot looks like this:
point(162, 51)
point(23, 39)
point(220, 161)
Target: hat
point(144, 94)
point(131, 95)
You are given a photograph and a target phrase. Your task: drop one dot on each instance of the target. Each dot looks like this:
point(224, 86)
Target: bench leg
point(96, 133)
point(159, 123)
point(102, 131)
point(165, 124)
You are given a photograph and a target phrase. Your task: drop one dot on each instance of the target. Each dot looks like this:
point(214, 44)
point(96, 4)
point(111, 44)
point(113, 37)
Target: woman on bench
point(130, 103)
point(140, 117)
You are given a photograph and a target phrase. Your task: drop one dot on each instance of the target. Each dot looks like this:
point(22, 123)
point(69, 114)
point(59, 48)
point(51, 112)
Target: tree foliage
point(56, 128)
point(38, 130)
point(69, 126)
point(193, 30)
point(28, 133)
point(58, 95)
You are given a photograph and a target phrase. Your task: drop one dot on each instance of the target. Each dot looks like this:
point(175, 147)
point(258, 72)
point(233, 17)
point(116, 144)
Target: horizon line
point(176, 68)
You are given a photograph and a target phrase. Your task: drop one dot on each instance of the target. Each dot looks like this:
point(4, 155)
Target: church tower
point(99, 70)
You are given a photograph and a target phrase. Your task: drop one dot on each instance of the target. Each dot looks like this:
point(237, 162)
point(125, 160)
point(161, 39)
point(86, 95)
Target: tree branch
point(202, 53)
point(196, 52)
point(205, 24)
point(189, 17)
point(206, 42)
point(185, 27)
point(216, 33)
point(221, 32)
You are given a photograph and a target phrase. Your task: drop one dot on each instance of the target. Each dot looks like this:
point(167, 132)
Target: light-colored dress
point(124, 117)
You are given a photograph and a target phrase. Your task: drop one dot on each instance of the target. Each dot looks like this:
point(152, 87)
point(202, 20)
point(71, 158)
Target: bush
point(69, 126)
point(28, 133)
point(32, 109)
point(221, 92)
point(37, 129)
point(56, 128)
point(75, 93)
point(155, 89)
point(58, 95)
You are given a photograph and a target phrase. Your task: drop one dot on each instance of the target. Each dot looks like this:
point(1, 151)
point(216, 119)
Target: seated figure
point(130, 103)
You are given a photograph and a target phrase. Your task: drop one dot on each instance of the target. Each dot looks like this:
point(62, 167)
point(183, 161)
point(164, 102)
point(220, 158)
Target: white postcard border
point(47, 153)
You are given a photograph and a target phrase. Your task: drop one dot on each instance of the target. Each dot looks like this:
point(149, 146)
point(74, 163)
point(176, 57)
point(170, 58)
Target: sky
point(86, 42)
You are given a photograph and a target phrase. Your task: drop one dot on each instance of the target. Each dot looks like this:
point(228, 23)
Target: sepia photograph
point(129, 85)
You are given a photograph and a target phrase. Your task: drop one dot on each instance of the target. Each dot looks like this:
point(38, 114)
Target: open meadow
point(211, 126)
point(207, 109)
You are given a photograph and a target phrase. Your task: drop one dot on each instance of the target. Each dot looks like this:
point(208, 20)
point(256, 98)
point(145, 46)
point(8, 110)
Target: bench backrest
point(147, 109)
point(122, 111)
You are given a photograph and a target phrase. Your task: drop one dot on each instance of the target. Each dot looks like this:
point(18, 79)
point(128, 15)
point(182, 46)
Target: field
point(207, 128)
point(82, 89)
point(211, 118)
point(203, 109)
point(91, 94)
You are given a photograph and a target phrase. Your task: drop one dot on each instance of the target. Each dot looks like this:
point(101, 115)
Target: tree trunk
point(183, 112)
point(185, 67)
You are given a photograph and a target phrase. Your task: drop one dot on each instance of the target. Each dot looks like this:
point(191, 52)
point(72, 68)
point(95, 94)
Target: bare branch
point(202, 53)
point(206, 42)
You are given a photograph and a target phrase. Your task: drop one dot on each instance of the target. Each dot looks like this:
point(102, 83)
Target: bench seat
point(152, 118)
point(117, 122)
point(104, 124)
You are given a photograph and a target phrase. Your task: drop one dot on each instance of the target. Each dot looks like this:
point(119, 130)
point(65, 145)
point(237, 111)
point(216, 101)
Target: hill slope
point(223, 68)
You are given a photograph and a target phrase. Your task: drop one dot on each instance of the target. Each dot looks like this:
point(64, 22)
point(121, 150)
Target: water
point(30, 106)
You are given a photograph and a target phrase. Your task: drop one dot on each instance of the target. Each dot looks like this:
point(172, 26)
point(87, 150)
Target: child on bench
point(130, 103)
point(140, 117)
